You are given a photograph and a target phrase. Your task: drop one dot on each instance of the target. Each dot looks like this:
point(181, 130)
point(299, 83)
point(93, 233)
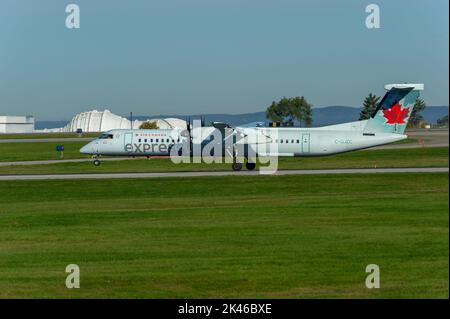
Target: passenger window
point(298, 141)
point(139, 140)
point(167, 140)
point(145, 140)
point(292, 141)
point(151, 140)
point(157, 140)
point(281, 141)
point(287, 141)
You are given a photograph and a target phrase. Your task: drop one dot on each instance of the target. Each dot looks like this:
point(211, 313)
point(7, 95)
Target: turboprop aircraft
point(386, 125)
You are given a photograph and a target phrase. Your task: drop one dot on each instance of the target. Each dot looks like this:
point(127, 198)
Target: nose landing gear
point(96, 160)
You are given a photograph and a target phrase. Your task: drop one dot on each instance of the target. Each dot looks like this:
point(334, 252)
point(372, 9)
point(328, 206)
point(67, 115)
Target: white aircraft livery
point(386, 125)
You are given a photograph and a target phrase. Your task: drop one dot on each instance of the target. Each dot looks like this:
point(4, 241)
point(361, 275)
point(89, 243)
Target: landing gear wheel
point(96, 162)
point(237, 166)
point(250, 166)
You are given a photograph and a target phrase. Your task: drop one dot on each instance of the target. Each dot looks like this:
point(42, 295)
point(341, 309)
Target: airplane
point(387, 124)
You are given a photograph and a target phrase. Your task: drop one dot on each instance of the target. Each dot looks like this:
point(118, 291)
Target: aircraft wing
point(243, 134)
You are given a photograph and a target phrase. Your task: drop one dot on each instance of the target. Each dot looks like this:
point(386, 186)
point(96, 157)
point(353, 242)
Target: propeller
point(189, 129)
point(188, 124)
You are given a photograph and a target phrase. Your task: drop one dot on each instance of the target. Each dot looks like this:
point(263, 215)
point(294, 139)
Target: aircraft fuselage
point(289, 141)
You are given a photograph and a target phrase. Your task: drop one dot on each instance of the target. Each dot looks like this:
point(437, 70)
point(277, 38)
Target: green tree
point(274, 112)
point(287, 110)
point(148, 125)
point(305, 117)
point(416, 118)
point(369, 106)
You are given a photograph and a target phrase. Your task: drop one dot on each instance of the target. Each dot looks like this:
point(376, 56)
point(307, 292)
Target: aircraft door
point(305, 143)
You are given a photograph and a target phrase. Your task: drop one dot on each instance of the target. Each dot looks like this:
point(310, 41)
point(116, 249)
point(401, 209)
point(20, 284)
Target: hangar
point(101, 121)
point(16, 124)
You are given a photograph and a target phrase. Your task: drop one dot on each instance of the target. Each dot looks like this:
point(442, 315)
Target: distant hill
point(321, 116)
point(40, 125)
point(334, 115)
point(232, 119)
point(432, 113)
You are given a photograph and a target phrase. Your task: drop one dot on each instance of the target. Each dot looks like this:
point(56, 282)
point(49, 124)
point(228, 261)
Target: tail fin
point(394, 110)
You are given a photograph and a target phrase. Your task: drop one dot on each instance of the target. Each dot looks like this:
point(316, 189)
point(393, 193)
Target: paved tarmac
point(425, 138)
point(75, 160)
point(225, 173)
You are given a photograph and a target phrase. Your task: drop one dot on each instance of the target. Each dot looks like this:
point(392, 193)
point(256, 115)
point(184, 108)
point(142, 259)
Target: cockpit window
point(106, 136)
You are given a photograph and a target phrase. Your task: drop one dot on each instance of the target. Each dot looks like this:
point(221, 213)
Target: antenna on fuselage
point(131, 119)
point(189, 129)
point(202, 121)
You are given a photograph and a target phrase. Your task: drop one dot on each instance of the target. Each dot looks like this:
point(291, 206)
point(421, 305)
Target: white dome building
point(97, 121)
point(169, 123)
point(101, 121)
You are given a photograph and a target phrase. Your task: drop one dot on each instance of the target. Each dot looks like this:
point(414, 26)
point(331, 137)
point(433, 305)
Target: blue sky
point(214, 56)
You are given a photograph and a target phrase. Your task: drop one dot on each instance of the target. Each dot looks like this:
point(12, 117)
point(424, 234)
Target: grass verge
point(233, 237)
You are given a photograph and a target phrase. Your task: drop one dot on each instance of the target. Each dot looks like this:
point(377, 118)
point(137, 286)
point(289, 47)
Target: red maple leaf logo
point(396, 115)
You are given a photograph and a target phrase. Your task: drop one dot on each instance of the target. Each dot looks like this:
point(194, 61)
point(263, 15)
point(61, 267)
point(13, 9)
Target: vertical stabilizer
point(393, 112)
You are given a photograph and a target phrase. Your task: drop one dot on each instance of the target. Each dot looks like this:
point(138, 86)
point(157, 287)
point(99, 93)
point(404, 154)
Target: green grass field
point(236, 236)
point(29, 151)
point(414, 157)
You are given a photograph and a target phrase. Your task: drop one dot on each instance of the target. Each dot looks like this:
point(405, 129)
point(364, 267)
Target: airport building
point(101, 121)
point(16, 124)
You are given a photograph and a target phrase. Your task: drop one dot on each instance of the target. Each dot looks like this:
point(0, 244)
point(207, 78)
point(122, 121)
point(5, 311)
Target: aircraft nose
point(87, 149)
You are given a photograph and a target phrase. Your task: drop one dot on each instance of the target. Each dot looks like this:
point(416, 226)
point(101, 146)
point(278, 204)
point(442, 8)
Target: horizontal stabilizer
point(416, 86)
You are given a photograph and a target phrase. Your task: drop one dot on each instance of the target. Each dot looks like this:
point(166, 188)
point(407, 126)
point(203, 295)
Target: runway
point(425, 138)
point(74, 160)
point(223, 173)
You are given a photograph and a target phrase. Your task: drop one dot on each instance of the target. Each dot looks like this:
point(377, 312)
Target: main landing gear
point(238, 166)
point(250, 166)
